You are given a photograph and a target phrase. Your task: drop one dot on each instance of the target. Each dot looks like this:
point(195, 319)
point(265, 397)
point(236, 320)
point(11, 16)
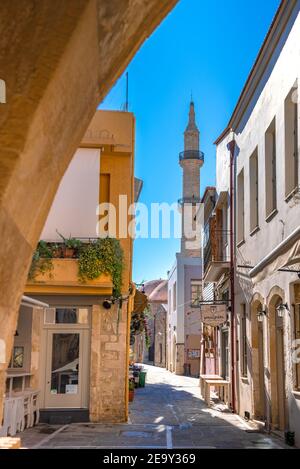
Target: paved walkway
point(167, 413)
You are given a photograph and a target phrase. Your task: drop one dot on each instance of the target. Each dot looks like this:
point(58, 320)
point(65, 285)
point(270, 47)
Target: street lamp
point(281, 309)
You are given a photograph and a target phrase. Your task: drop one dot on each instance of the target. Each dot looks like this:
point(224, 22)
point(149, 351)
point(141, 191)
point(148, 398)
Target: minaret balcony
point(189, 200)
point(191, 155)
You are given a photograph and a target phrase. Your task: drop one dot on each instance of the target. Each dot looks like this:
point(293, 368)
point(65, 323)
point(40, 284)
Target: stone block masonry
point(108, 364)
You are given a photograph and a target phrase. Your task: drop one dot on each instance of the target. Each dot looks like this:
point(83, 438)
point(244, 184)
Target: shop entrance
point(66, 358)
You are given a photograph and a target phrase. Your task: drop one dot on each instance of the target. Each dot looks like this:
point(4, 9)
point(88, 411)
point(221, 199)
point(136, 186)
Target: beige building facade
point(265, 133)
point(78, 349)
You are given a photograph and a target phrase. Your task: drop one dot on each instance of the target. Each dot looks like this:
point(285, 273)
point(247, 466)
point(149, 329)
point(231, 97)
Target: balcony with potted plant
point(89, 266)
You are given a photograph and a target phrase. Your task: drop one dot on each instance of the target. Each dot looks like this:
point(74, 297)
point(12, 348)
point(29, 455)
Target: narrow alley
point(167, 413)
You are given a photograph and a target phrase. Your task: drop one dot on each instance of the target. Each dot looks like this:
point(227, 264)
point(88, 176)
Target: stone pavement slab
point(167, 413)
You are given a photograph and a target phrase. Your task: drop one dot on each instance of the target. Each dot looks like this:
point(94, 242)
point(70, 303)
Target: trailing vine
point(104, 256)
point(139, 325)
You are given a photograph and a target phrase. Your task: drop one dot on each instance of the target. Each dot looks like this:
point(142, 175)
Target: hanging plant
point(41, 260)
point(104, 256)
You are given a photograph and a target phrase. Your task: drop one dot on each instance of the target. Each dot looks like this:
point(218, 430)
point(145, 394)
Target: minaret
point(191, 160)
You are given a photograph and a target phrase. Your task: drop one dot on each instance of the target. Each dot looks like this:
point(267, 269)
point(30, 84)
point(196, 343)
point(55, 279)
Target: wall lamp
point(281, 308)
point(261, 314)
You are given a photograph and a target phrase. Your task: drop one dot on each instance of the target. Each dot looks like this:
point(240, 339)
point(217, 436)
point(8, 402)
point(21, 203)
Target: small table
point(216, 383)
point(202, 382)
point(21, 374)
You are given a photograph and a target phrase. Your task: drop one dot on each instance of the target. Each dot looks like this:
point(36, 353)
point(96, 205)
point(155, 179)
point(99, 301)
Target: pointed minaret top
point(192, 120)
point(191, 134)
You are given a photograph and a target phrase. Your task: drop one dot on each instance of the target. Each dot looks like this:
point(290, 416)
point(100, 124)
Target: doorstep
point(64, 416)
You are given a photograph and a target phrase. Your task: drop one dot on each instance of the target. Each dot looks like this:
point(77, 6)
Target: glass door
point(64, 368)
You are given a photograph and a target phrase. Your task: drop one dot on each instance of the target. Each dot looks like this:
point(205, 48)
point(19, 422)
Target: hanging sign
point(213, 315)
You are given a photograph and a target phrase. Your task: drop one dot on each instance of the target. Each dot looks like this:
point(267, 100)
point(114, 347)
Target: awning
point(286, 254)
point(31, 302)
point(140, 302)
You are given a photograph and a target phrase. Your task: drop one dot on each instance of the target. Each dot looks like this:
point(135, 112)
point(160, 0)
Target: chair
point(34, 408)
point(13, 416)
point(22, 414)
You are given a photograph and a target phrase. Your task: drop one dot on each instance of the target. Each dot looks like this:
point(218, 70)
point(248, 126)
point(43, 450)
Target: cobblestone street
point(167, 413)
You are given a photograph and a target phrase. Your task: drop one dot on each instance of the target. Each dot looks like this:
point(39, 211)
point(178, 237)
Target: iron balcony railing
point(191, 155)
point(215, 246)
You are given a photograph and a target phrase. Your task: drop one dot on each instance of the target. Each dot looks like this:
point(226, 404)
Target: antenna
point(126, 102)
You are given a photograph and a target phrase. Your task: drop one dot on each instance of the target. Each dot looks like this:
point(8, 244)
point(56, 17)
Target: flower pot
point(69, 252)
point(57, 253)
point(131, 395)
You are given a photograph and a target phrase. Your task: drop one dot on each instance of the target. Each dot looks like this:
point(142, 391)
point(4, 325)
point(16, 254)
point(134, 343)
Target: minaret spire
point(191, 160)
point(191, 134)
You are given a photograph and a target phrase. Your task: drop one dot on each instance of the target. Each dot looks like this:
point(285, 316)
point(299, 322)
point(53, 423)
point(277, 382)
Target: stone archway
point(58, 60)
point(259, 392)
point(279, 413)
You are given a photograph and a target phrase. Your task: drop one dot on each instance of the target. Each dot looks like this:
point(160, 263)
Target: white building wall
point(270, 104)
point(74, 209)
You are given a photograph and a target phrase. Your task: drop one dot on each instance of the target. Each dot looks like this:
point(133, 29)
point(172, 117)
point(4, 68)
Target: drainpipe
point(231, 146)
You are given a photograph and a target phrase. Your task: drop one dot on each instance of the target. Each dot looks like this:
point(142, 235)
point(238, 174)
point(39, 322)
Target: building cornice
point(270, 43)
point(279, 249)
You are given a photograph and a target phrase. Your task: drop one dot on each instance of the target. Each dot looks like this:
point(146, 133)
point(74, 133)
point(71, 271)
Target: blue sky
point(207, 47)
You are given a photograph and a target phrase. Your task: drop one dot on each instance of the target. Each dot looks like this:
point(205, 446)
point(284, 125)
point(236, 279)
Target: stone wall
point(109, 344)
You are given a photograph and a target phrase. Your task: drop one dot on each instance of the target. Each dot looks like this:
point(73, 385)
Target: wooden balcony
point(216, 253)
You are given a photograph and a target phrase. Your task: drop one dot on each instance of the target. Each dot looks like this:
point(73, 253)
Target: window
point(196, 292)
point(240, 208)
point(174, 296)
point(291, 141)
point(17, 359)
point(270, 168)
point(297, 337)
point(243, 340)
point(225, 354)
point(253, 162)
point(66, 315)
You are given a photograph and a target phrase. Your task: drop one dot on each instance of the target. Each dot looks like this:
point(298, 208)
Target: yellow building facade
point(79, 344)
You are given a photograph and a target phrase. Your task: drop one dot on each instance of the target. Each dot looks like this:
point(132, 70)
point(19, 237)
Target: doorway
point(261, 410)
point(258, 330)
point(277, 364)
point(66, 352)
point(225, 353)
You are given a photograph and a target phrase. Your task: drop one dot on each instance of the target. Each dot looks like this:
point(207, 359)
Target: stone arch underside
point(58, 60)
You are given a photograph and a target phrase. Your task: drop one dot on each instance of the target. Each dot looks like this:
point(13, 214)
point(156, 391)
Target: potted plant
point(57, 250)
point(71, 245)
point(131, 390)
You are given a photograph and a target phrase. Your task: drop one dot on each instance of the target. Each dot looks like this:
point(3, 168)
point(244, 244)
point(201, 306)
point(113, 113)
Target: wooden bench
point(216, 383)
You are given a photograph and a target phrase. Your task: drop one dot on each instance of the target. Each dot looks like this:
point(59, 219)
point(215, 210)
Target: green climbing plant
point(41, 260)
point(104, 256)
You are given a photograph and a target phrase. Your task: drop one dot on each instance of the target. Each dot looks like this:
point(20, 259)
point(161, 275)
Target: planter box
point(64, 277)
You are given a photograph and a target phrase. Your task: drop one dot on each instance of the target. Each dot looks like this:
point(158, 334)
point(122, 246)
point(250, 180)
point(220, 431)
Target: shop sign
point(213, 315)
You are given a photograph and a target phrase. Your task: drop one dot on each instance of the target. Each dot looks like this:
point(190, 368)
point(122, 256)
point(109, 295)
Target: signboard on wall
point(194, 353)
point(213, 315)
